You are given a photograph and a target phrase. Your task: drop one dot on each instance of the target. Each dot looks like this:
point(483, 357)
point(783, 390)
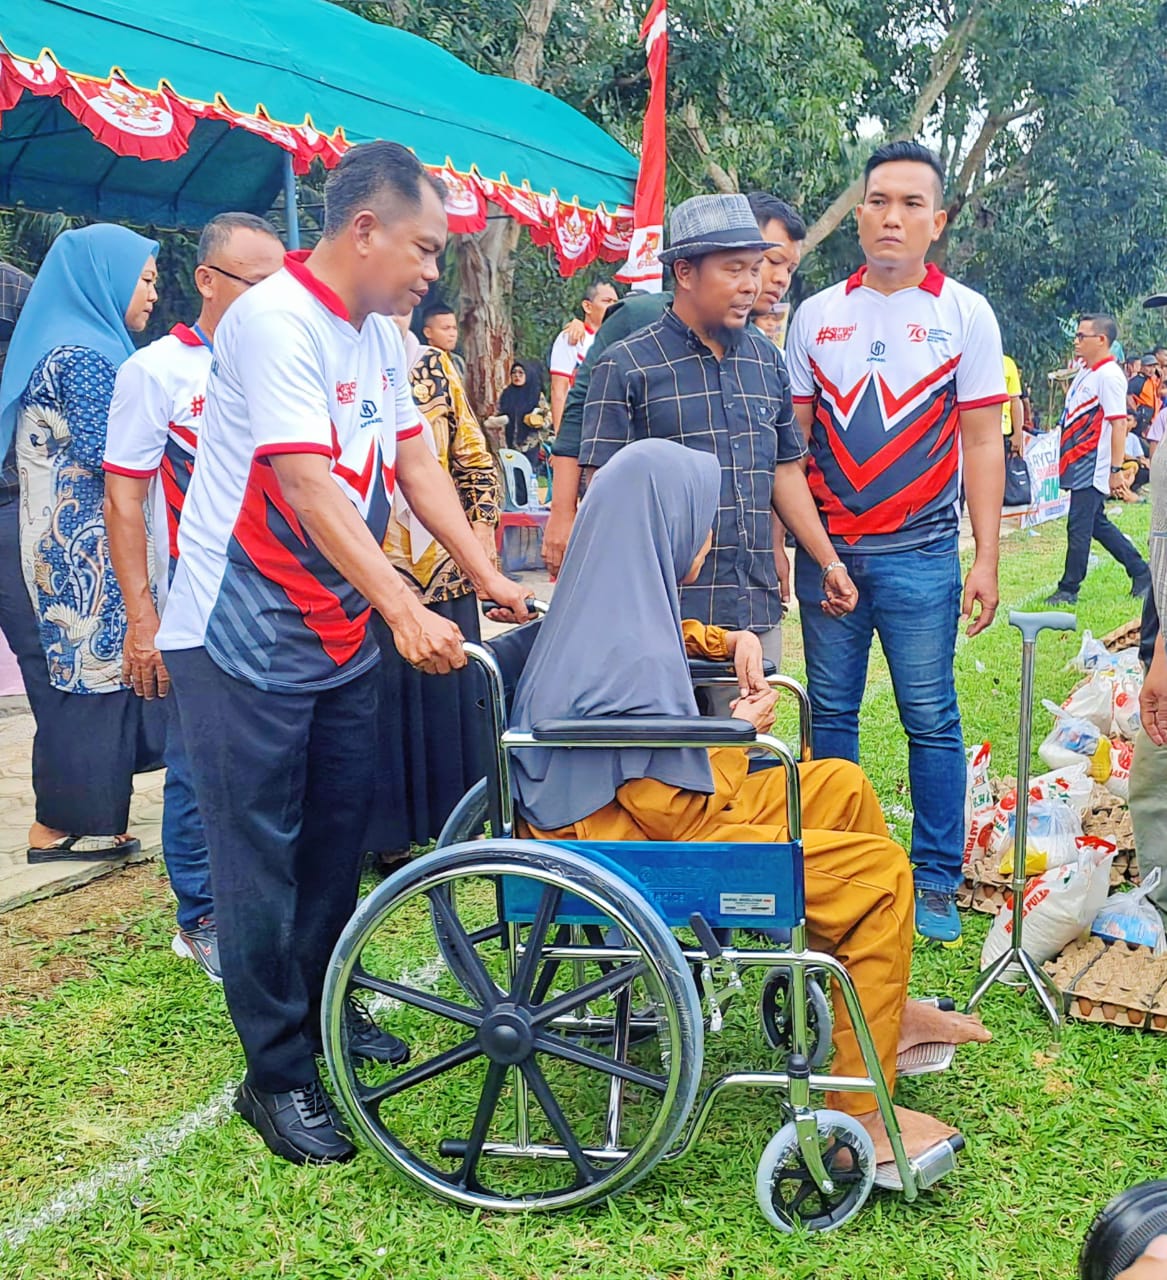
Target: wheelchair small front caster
point(786, 1188)
point(778, 1018)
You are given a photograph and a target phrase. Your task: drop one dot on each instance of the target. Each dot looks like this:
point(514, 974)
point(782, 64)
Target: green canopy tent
point(167, 112)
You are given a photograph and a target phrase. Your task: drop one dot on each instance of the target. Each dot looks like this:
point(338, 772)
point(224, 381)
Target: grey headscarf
point(611, 643)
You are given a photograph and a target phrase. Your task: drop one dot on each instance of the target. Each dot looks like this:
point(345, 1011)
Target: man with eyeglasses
point(154, 420)
point(1093, 429)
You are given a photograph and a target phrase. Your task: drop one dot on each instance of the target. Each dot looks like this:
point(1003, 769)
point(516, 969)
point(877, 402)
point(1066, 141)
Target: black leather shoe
point(302, 1125)
point(367, 1040)
point(1062, 597)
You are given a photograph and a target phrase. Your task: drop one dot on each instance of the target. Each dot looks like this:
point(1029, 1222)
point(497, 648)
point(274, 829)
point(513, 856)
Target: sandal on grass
point(85, 849)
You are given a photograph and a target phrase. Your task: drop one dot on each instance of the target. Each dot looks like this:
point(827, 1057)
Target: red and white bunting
point(149, 124)
point(465, 202)
point(155, 124)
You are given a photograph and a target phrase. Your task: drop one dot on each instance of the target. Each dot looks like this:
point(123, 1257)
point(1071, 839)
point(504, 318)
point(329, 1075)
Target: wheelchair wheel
point(778, 1021)
point(786, 1190)
point(502, 1106)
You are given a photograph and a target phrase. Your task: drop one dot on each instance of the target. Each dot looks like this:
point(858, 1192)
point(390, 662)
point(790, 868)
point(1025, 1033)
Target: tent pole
point(291, 208)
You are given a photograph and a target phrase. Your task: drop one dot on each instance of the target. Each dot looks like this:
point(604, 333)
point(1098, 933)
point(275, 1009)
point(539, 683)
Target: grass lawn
point(118, 1157)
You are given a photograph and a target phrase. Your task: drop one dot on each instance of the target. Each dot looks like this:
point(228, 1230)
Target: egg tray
point(1125, 637)
point(1120, 984)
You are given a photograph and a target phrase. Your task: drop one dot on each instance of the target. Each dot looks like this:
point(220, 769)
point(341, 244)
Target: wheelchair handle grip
point(537, 607)
point(1029, 624)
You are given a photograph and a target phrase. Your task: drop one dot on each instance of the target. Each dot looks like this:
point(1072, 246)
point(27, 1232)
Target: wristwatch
point(830, 568)
point(1115, 470)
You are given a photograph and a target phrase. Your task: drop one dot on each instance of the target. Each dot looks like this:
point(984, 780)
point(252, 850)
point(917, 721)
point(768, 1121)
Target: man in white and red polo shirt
point(154, 419)
point(1093, 429)
point(309, 425)
point(570, 349)
point(896, 373)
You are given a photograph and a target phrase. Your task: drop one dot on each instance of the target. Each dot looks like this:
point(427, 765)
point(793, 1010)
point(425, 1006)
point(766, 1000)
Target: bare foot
point(925, 1024)
point(918, 1131)
point(40, 836)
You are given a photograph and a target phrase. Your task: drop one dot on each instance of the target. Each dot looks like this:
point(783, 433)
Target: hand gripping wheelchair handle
point(1029, 624)
point(537, 607)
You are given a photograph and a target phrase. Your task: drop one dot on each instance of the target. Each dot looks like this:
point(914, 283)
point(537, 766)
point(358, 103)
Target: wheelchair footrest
point(927, 1168)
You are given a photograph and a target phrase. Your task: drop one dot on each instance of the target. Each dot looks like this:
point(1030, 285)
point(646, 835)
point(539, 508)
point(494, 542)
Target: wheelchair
point(559, 994)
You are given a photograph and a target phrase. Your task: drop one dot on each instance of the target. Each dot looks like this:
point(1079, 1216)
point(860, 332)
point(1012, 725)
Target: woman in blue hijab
point(95, 287)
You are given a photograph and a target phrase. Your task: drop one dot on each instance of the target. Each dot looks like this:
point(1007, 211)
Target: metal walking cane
point(1029, 624)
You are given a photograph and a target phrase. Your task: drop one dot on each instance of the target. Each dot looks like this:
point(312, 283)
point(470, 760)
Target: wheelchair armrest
point(707, 669)
point(640, 729)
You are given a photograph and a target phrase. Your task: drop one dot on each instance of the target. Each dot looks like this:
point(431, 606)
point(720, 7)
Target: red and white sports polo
point(289, 374)
point(154, 417)
point(566, 359)
point(1096, 398)
point(888, 375)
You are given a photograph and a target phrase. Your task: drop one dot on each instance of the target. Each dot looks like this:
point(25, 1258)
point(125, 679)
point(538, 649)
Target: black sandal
point(84, 849)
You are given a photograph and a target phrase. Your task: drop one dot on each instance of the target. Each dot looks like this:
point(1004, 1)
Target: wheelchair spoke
point(467, 1016)
point(559, 1047)
point(371, 1095)
point(805, 1192)
point(548, 905)
point(496, 1075)
point(602, 986)
point(551, 968)
point(482, 986)
point(559, 1122)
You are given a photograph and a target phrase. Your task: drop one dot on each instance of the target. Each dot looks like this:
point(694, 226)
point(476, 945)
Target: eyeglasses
point(210, 266)
point(1081, 337)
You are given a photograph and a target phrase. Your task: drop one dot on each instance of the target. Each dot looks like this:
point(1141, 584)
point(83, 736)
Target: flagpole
point(643, 270)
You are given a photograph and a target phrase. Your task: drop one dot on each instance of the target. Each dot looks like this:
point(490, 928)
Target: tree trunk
point(485, 260)
point(487, 272)
point(945, 63)
point(973, 165)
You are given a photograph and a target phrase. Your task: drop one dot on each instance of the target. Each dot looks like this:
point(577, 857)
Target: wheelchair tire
point(786, 1191)
point(776, 1019)
point(486, 1026)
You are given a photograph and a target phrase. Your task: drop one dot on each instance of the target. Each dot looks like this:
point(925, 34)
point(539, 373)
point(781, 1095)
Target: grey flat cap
point(712, 224)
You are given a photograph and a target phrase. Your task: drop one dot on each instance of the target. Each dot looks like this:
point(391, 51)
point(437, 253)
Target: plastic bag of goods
point(1127, 663)
point(1121, 755)
point(1093, 655)
point(1059, 905)
point(1070, 740)
point(978, 803)
point(1052, 833)
point(1094, 700)
point(1073, 785)
point(1129, 917)
point(1126, 720)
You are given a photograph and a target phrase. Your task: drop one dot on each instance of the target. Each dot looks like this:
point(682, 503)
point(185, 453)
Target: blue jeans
point(912, 599)
point(184, 846)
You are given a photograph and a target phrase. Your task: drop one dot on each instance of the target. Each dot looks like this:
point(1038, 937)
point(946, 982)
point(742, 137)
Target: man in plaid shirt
point(699, 377)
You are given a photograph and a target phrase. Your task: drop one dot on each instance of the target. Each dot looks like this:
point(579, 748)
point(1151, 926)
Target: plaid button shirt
point(663, 381)
point(14, 287)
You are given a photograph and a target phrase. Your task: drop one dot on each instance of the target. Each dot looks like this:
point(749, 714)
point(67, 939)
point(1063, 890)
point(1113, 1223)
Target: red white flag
point(643, 268)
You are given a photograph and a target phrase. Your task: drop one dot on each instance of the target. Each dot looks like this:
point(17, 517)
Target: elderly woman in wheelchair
point(559, 966)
